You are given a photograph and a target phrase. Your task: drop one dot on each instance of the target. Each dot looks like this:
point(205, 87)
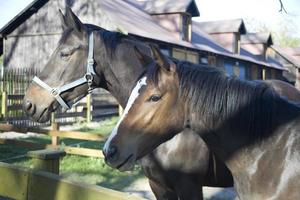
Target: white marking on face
point(133, 96)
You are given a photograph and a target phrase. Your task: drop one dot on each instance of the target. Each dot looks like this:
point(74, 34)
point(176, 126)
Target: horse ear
point(142, 57)
point(162, 60)
point(62, 20)
point(72, 21)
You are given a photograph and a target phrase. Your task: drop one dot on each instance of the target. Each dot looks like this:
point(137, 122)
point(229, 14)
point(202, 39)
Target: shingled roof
point(257, 38)
point(201, 37)
point(167, 6)
point(223, 26)
point(290, 54)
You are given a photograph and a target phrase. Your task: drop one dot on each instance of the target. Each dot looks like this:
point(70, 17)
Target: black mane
point(218, 101)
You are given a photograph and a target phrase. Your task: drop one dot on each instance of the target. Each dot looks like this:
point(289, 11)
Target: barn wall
point(172, 22)
point(29, 51)
point(31, 44)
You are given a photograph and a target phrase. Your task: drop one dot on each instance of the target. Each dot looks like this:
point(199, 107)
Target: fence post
point(120, 110)
point(264, 74)
point(46, 160)
point(4, 104)
point(88, 109)
point(54, 127)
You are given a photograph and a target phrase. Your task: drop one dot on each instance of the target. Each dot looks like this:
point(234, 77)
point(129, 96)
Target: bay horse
point(169, 174)
point(246, 124)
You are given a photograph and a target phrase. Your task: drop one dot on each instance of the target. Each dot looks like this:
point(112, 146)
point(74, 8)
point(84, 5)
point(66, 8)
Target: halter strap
point(87, 78)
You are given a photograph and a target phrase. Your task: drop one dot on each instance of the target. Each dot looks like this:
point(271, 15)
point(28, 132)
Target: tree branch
point(282, 7)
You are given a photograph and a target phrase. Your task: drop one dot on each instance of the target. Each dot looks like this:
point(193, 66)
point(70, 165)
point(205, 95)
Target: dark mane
point(216, 100)
point(111, 39)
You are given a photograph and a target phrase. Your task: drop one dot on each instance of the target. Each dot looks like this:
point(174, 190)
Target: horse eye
point(155, 98)
point(64, 55)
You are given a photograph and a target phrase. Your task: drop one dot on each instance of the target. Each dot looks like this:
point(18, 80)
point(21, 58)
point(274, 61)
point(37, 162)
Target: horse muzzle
point(38, 104)
point(115, 159)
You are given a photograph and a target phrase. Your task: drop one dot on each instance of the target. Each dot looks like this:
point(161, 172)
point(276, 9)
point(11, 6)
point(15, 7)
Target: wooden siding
point(32, 43)
point(227, 40)
point(29, 51)
point(171, 22)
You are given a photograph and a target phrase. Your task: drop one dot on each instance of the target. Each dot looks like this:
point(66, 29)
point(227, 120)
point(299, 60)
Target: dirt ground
point(141, 188)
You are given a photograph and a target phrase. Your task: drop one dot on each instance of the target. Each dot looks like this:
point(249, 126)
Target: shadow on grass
point(121, 181)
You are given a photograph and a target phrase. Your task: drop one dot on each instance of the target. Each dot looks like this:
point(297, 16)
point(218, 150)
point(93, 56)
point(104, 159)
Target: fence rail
point(55, 134)
point(22, 183)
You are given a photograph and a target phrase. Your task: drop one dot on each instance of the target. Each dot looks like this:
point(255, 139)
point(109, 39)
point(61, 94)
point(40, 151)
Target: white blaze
point(133, 96)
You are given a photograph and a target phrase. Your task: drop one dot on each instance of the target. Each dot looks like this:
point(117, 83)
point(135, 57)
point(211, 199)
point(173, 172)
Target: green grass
point(78, 168)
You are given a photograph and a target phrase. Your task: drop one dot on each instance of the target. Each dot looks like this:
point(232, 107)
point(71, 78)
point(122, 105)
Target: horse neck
point(242, 115)
point(119, 74)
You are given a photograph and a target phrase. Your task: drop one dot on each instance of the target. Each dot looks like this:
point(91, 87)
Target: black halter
point(87, 78)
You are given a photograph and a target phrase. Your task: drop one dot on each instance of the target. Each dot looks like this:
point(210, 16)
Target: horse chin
point(44, 116)
point(128, 164)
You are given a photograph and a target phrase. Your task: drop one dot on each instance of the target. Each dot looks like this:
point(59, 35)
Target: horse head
point(152, 115)
point(56, 85)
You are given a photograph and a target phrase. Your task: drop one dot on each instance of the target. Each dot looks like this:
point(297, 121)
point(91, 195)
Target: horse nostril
point(112, 153)
point(29, 107)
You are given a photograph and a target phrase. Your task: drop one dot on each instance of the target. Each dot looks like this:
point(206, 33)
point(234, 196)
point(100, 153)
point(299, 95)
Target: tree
point(283, 36)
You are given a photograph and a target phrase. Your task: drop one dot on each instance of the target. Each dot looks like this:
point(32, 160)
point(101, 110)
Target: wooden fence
point(27, 184)
point(13, 84)
point(55, 135)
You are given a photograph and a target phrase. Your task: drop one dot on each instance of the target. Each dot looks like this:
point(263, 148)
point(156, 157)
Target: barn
point(29, 38)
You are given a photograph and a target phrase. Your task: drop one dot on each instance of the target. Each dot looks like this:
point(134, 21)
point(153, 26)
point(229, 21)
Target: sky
point(261, 11)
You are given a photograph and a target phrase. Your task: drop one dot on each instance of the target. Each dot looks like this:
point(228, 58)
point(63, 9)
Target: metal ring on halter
point(54, 92)
point(87, 78)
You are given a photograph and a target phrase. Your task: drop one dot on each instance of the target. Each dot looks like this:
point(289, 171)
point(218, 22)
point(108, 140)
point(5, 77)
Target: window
point(179, 54)
point(190, 56)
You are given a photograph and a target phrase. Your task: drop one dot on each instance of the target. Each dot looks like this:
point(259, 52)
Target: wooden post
point(54, 127)
point(4, 104)
point(46, 160)
point(297, 83)
point(88, 109)
point(120, 110)
point(264, 74)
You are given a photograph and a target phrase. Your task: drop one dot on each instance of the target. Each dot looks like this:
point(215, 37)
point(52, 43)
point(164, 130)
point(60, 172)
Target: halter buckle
point(54, 92)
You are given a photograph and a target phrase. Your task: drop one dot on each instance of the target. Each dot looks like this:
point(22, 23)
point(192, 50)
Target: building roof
point(257, 38)
point(223, 26)
point(201, 37)
point(167, 6)
point(290, 54)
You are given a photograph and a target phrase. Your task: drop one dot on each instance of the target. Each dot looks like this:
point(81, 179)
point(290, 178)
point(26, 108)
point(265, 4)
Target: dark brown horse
point(247, 124)
point(169, 174)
